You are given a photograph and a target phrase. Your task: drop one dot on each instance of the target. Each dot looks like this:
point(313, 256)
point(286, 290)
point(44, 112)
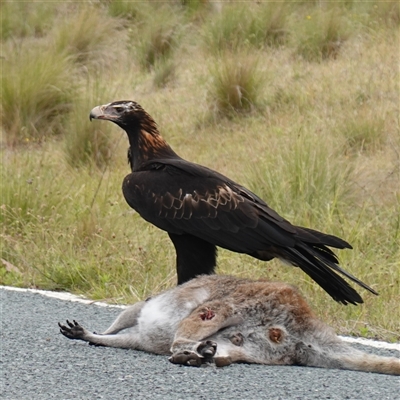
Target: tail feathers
point(320, 264)
point(322, 274)
point(343, 356)
point(314, 237)
point(313, 252)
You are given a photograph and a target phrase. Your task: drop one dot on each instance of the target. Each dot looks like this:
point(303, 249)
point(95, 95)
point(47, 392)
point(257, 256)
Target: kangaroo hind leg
point(73, 330)
point(126, 319)
point(110, 337)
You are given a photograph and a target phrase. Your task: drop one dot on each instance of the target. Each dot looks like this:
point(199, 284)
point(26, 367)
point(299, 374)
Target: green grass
point(315, 176)
point(87, 35)
point(128, 10)
point(228, 30)
point(164, 73)
point(92, 251)
point(322, 33)
point(36, 91)
point(88, 144)
point(24, 19)
point(155, 37)
point(319, 141)
point(364, 133)
point(237, 84)
point(384, 14)
point(237, 27)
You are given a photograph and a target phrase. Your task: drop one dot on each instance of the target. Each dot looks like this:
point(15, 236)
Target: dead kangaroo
point(223, 320)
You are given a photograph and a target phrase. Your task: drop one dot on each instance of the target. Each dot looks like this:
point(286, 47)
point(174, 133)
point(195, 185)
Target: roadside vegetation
point(297, 101)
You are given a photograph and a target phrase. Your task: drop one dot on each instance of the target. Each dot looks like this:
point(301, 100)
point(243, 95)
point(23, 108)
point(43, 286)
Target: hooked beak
point(103, 112)
point(97, 113)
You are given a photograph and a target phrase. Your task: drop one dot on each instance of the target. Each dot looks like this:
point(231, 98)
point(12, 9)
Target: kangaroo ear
point(276, 335)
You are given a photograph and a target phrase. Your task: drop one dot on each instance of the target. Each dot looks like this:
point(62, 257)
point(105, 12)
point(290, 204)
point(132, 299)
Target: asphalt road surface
point(37, 362)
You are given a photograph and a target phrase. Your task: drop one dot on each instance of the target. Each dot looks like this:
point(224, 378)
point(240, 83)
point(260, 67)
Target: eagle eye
point(119, 109)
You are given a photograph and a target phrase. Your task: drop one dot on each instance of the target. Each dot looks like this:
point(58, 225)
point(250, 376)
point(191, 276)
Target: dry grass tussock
point(316, 136)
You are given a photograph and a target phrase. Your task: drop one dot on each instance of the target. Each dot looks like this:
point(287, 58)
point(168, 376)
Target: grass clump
point(24, 19)
point(33, 195)
point(228, 30)
point(384, 14)
point(164, 73)
point(271, 24)
point(88, 35)
point(315, 177)
point(156, 38)
point(36, 92)
point(240, 27)
point(197, 9)
point(364, 133)
point(237, 85)
point(321, 35)
point(128, 10)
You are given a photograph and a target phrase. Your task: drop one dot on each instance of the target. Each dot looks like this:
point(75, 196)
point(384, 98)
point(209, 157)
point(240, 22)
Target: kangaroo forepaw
point(204, 354)
point(189, 358)
point(73, 330)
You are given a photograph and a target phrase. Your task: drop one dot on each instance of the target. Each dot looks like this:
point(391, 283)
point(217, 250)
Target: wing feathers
point(192, 200)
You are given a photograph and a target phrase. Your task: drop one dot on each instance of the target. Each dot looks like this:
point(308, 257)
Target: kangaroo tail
point(372, 363)
point(342, 356)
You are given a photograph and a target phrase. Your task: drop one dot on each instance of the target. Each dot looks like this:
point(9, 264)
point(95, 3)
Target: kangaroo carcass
point(223, 320)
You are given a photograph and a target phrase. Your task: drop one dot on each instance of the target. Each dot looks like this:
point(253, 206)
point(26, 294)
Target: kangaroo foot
point(73, 330)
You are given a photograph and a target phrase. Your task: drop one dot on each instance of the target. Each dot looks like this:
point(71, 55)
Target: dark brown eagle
point(202, 209)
